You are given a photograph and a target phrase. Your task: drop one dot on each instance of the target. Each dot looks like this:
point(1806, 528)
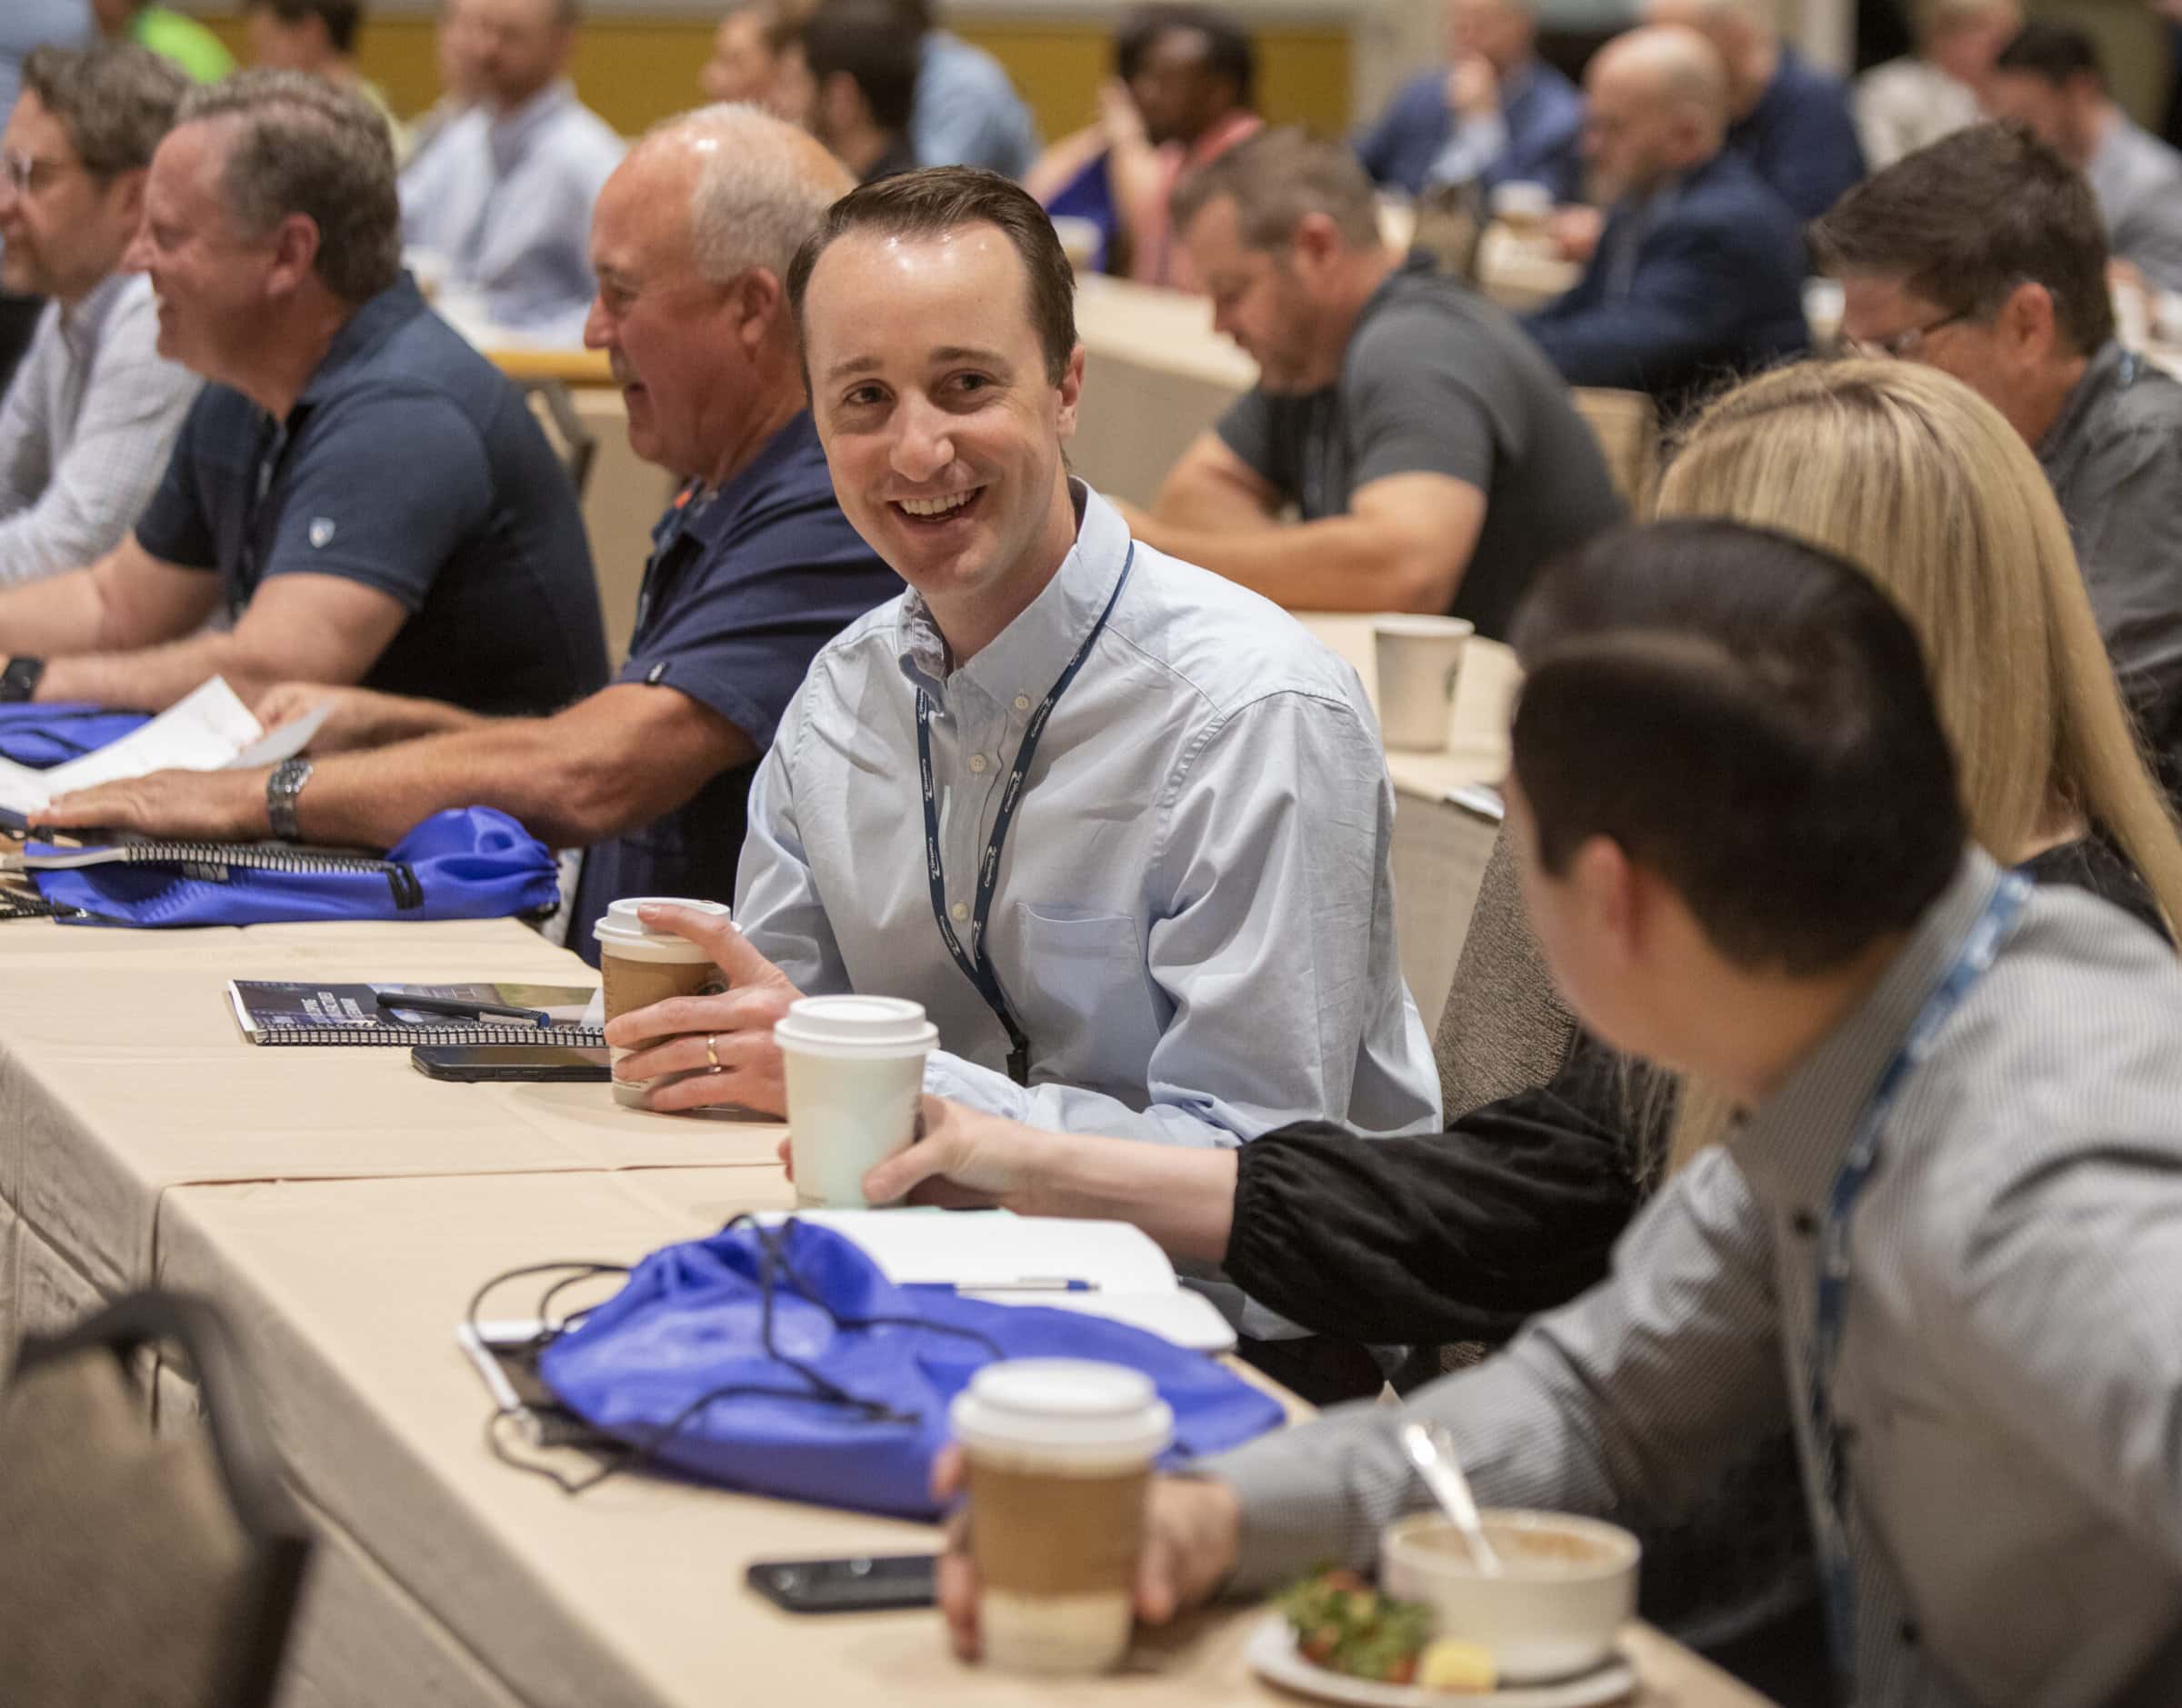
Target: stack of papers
point(210, 730)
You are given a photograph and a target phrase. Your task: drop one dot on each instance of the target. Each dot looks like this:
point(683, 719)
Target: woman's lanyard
point(976, 963)
point(1835, 1564)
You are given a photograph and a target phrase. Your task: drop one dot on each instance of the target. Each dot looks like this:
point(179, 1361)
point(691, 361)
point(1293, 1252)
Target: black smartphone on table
point(473, 1063)
point(866, 1583)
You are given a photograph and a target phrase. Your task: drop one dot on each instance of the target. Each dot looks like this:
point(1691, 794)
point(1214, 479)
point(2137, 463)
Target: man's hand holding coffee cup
point(1192, 1527)
point(692, 1034)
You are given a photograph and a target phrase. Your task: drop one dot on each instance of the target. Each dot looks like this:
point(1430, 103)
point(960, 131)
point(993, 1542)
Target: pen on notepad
point(1025, 1283)
point(457, 1008)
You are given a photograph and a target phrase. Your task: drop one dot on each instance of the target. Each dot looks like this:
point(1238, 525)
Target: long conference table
point(342, 1209)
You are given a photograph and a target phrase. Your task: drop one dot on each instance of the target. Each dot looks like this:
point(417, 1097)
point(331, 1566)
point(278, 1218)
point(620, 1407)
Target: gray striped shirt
point(2009, 1385)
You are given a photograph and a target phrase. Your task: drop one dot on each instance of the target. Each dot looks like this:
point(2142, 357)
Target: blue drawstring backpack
point(43, 737)
point(780, 1360)
point(469, 863)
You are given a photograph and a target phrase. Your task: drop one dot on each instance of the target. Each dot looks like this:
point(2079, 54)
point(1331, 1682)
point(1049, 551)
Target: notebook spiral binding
point(455, 1033)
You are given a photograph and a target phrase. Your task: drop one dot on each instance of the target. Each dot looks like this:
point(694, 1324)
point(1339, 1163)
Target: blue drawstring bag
point(469, 863)
point(42, 736)
point(780, 1360)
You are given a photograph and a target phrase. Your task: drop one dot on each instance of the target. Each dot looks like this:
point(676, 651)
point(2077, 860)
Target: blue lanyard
point(1832, 1511)
point(976, 963)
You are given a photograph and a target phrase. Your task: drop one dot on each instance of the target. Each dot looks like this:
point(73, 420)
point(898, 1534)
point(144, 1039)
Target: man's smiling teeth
point(936, 506)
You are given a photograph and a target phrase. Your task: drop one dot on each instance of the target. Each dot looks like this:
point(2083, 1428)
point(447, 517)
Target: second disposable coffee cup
point(1058, 1453)
point(855, 1068)
point(1419, 659)
point(639, 966)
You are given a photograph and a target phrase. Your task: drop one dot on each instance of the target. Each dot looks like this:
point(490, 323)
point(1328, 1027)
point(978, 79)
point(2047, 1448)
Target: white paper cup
point(639, 966)
point(1057, 1454)
point(1419, 661)
point(1078, 239)
point(1522, 203)
point(1570, 1585)
point(855, 1067)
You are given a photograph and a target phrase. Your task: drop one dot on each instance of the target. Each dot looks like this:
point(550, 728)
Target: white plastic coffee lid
point(1072, 1410)
point(855, 1025)
point(622, 923)
point(1433, 628)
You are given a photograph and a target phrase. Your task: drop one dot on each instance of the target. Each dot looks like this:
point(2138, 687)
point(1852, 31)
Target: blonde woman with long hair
point(1916, 478)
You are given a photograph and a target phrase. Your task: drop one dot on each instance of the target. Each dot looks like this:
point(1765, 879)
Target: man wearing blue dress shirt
point(504, 195)
point(1790, 119)
point(1148, 892)
point(1496, 113)
point(967, 113)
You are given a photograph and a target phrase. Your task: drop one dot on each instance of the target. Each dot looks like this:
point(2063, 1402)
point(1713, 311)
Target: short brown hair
point(1277, 177)
point(115, 100)
point(301, 145)
point(1965, 221)
point(941, 199)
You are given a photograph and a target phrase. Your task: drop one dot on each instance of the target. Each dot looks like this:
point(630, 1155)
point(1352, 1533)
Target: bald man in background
point(1698, 273)
point(1788, 118)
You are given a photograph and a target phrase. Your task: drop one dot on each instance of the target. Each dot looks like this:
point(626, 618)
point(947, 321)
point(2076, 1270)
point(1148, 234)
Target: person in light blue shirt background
point(967, 113)
point(1496, 113)
point(25, 24)
point(503, 196)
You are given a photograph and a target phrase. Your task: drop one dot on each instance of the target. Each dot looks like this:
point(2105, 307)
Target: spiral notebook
point(272, 1013)
point(215, 862)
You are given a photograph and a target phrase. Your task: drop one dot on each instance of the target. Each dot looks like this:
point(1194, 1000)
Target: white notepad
point(997, 1255)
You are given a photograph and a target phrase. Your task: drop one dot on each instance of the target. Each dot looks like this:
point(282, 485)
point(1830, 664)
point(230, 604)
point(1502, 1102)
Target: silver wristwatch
point(281, 790)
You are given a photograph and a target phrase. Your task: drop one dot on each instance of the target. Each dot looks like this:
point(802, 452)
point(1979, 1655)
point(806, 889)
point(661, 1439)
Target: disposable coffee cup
point(1419, 662)
point(1078, 239)
point(639, 966)
point(1058, 1453)
point(855, 1067)
point(1522, 204)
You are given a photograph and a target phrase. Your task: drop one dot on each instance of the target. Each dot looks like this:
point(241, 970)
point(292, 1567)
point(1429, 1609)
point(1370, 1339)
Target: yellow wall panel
point(634, 71)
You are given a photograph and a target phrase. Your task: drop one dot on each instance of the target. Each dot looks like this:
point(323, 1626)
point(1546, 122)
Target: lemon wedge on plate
point(1451, 1665)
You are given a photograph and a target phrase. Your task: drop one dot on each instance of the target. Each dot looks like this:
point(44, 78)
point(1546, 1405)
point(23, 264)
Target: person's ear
point(1316, 244)
point(1607, 891)
point(295, 244)
point(2027, 321)
point(758, 303)
point(1072, 392)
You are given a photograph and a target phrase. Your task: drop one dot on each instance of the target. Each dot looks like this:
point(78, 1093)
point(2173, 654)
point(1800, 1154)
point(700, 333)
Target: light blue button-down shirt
point(506, 200)
point(967, 113)
point(1193, 920)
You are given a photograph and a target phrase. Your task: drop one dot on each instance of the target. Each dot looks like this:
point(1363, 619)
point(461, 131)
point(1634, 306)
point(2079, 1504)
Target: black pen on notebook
point(461, 1008)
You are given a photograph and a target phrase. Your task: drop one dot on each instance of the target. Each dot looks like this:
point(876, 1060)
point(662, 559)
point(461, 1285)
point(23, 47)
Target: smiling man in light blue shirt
point(1179, 794)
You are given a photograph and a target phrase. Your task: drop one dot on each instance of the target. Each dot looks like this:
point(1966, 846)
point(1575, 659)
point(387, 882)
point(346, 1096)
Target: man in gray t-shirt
point(1433, 455)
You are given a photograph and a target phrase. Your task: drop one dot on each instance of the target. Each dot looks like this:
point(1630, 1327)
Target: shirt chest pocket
point(1087, 999)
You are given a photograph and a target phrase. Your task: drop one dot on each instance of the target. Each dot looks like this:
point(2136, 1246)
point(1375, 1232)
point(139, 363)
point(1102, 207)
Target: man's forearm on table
point(1337, 563)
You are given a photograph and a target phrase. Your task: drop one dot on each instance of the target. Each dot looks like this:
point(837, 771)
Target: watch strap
point(281, 788)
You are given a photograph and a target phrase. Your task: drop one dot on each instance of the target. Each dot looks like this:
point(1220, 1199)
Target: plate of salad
point(1335, 1637)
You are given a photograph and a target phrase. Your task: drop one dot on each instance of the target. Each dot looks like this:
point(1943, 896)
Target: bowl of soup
point(1569, 1586)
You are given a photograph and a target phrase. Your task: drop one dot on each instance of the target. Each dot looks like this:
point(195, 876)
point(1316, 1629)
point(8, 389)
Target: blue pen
point(1026, 1283)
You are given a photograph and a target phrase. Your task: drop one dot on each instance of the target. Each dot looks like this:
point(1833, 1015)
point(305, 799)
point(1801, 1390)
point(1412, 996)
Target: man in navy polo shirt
point(365, 496)
point(753, 569)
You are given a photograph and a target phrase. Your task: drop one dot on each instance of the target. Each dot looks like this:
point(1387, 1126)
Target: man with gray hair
point(364, 494)
point(753, 569)
point(88, 425)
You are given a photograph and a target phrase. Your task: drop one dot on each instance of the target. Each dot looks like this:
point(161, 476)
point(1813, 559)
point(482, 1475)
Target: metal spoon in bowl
point(1432, 1452)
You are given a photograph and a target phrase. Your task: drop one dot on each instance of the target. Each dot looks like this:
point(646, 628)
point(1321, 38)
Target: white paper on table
point(284, 743)
point(206, 729)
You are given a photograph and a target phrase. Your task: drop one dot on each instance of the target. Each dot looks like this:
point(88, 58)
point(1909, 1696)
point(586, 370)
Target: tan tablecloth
point(1440, 843)
point(124, 1076)
point(631, 1593)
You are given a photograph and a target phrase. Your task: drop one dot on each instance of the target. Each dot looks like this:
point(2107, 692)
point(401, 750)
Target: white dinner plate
point(1273, 1656)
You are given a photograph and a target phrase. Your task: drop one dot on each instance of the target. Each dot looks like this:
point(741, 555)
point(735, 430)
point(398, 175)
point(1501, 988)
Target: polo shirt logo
point(322, 532)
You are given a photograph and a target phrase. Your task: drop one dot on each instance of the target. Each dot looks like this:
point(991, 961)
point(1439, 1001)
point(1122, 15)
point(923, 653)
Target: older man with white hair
point(1787, 117)
point(753, 569)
